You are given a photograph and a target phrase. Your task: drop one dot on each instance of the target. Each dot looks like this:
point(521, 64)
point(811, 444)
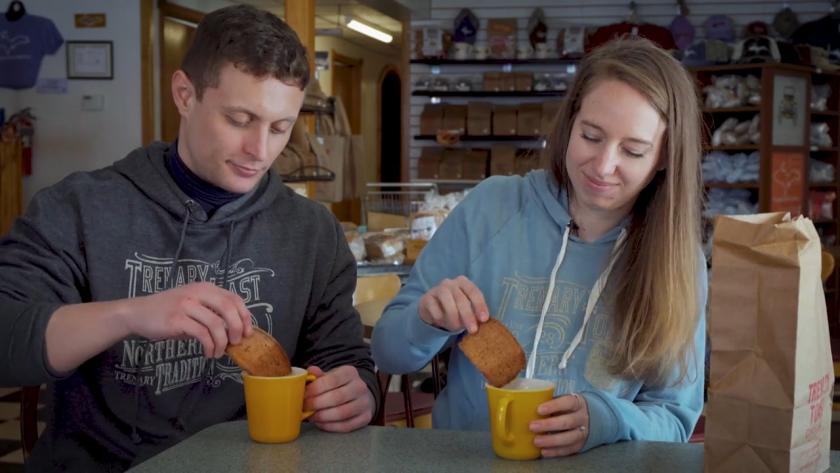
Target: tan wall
point(372, 67)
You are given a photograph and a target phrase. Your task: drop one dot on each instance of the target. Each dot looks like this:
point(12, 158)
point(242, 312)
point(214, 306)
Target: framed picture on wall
point(789, 93)
point(90, 60)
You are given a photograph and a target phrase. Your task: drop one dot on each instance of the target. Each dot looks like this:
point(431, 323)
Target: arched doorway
point(389, 159)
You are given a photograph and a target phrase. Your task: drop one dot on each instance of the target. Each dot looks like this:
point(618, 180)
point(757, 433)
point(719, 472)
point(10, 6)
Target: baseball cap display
point(719, 27)
point(683, 31)
point(658, 34)
point(756, 28)
point(537, 29)
point(706, 53)
point(785, 22)
point(756, 49)
point(466, 27)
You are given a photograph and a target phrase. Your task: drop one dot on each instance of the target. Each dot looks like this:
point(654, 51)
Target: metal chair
point(372, 295)
point(29, 418)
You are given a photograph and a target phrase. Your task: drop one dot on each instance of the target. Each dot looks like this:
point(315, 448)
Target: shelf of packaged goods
point(491, 62)
point(489, 93)
point(731, 148)
point(485, 138)
point(732, 110)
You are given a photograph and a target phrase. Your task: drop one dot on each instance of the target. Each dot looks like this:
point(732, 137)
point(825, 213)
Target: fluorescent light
point(370, 31)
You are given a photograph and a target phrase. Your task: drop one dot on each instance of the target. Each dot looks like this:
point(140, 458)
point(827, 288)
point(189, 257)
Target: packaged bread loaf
point(425, 223)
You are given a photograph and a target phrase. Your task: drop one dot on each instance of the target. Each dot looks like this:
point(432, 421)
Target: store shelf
point(449, 182)
point(821, 185)
point(487, 93)
point(731, 185)
point(823, 221)
point(485, 138)
point(318, 108)
point(731, 148)
point(492, 62)
point(815, 149)
point(732, 110)
point(828, 113)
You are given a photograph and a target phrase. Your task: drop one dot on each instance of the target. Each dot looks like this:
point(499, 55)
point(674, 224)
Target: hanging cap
point(466, 27)
point(756, 28)
point(785, 22)
point(719, 27)
point(683, 31)
point(756, 49)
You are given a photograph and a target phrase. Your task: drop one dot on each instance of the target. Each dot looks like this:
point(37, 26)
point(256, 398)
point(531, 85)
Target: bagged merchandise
point(771, 376)
point(354, 241)
point(424, 224)
point(384, 247)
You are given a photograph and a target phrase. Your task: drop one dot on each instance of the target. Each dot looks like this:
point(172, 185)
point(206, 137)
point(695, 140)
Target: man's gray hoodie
point(128, 231)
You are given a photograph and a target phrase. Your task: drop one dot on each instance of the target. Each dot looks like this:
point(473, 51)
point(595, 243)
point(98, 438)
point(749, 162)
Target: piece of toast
point(260, 355)
point(495, 352)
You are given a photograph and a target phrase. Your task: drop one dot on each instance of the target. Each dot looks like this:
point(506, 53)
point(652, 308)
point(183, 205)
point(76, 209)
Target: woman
point(593, 264)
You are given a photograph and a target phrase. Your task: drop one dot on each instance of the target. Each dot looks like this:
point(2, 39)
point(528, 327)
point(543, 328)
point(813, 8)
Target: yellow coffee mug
point(275, 405)
point(512, 407)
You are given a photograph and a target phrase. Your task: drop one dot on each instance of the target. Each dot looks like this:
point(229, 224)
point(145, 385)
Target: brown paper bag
point(771, 376)
point(334, 154)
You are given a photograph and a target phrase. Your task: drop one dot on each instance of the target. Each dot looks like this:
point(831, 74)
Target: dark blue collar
point(209, 196)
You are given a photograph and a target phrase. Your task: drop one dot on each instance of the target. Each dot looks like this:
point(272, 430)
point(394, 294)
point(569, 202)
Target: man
point(123, 286)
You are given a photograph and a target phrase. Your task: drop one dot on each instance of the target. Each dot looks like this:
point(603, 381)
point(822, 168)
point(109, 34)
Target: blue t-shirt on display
point(22, 45)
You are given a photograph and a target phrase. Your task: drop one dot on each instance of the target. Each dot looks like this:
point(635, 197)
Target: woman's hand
point(454, 305)
point(565, 430)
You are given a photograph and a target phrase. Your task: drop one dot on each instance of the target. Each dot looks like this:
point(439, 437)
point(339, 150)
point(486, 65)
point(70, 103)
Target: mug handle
point(309, 378)
point(503, 420)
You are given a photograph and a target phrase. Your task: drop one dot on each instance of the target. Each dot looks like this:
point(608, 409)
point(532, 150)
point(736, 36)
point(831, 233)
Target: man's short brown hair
point(254, 41)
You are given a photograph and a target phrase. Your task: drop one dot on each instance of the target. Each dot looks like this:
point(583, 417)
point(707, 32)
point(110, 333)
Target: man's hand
point(340, 398)
point(201, 310)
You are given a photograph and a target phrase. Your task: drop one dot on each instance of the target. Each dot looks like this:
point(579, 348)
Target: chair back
point(29, 418)
point(372, 294)
point(827, 265)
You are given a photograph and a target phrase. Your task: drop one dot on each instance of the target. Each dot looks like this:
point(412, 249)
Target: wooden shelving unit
point(775, 152)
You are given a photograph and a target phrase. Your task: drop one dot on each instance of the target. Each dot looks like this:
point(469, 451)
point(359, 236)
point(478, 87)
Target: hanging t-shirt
point(22, 45)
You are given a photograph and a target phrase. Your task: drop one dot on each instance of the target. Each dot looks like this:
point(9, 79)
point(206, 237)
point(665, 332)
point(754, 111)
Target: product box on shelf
point(431, 119)
point(479, 118)
point(504, 120)
point(502, 160)
point(474, 164)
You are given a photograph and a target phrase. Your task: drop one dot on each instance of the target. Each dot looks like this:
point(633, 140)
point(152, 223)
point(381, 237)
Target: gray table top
point(227, 448)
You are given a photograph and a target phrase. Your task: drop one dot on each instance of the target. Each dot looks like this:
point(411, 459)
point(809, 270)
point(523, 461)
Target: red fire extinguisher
point(24, 124)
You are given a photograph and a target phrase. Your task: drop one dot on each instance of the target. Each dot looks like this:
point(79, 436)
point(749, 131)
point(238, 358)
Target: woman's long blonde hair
point(653, 286)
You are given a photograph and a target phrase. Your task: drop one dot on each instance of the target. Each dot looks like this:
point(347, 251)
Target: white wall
point(68, 139)
point(8, 101)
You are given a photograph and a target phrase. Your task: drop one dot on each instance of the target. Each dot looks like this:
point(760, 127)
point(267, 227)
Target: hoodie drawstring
point(594, 295)
point(135, 436)
point(227, 255)
point(186, 409)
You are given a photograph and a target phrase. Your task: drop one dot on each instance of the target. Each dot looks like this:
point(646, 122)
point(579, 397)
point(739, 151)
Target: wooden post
point(300, 16)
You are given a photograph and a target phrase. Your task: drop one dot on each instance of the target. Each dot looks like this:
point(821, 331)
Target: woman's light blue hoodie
point(505, 237)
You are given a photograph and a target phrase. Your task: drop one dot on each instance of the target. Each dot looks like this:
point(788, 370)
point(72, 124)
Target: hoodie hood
point(146, 169)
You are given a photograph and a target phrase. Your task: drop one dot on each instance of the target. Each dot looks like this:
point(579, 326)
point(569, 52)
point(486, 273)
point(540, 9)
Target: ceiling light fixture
point(366, 30)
